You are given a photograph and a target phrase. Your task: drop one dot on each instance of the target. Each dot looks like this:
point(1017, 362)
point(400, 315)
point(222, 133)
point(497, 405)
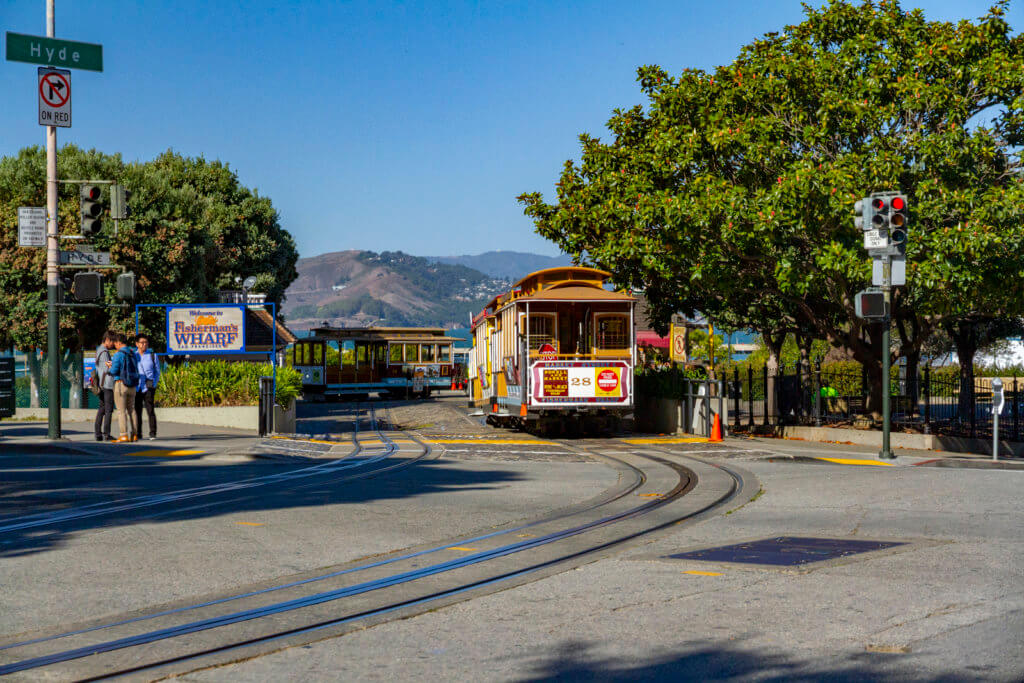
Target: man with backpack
point(102, 384)
point(125, 370)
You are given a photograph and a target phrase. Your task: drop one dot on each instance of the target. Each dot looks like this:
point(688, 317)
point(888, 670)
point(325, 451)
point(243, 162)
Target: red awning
point(652, 339)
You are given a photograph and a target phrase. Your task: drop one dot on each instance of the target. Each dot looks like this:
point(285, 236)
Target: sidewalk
point(855, 454)
point(173, 440)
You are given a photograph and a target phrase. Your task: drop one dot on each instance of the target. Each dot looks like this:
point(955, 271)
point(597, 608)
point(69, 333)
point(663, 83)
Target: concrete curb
point(921, 442)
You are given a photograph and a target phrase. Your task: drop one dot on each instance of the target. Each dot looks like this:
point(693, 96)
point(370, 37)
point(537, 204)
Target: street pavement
point(945, 604)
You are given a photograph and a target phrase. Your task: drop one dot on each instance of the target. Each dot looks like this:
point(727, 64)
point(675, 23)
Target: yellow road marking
point(250, 523)
point(651, 495)
point(468, 550)
point(526, 535)
point(660, 439)
point(164, 453)
point(695, 572)
point(854, 461)
point(511, 442)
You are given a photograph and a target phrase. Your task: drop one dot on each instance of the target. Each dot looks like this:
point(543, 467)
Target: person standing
point(106, 381)
point(125, 370)
point(149, 376)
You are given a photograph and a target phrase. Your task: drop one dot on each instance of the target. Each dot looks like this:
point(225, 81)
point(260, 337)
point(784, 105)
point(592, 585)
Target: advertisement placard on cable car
point(205, 329)
point(574, 382)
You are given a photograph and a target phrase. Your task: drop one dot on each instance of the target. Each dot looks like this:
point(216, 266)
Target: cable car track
point(330, 467)
point(559, 541)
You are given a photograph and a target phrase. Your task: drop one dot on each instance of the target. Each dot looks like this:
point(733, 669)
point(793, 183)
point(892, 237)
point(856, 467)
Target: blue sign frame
point(167, 328)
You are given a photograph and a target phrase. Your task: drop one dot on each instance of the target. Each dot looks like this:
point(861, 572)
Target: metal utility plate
point(785, 551)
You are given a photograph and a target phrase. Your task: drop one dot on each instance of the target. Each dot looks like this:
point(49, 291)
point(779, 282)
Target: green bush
point(220, 383)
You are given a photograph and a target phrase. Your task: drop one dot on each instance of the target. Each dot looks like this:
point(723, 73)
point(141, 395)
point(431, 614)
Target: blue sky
point(409, 125)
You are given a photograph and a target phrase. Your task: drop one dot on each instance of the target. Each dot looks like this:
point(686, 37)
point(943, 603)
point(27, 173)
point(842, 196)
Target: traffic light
point(870, 304)
point(126, 286)
point(92, 209)
point(898, 213)
point(862, 214)
point(119, 198)
point(879, 213)
point(88, 286)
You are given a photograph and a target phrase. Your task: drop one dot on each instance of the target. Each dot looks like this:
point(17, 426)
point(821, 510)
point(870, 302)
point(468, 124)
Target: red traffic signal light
point(898, 204)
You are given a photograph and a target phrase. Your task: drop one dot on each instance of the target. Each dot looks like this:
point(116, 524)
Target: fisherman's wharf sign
point(205, 329)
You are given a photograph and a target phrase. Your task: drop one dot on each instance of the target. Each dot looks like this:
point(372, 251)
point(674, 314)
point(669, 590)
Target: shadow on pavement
point(28, 486)
point(714, 661)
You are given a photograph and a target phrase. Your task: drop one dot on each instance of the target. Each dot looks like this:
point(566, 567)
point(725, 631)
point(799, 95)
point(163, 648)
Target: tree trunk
point(966, 339)
point(773, 341)
point(34, 377)
point(71, 368)
point(913, 388)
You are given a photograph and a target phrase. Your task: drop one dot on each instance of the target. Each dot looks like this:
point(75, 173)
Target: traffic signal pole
point(886, 452)
point(52, 258)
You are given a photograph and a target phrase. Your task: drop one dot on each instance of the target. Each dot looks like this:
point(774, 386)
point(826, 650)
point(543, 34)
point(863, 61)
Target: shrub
point(221, 383)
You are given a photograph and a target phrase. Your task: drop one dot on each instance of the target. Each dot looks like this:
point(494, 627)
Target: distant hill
point(359, 288)
point(512, 265)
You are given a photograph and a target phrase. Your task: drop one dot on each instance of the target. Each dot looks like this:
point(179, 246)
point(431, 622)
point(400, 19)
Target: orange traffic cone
point(716, 429)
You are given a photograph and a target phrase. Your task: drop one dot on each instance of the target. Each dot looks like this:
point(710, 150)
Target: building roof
point(570, 292)
point(258, 326)
point(567, 273)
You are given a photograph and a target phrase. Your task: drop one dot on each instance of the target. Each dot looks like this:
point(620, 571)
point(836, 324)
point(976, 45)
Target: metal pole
point(886, 452)
point(273, 359)
point(52, 257)
point(927, 400)
point(995, 432)
point(816, 388)
point(750, 396)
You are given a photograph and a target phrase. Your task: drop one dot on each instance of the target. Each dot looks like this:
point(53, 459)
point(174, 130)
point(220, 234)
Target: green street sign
point(53, 52)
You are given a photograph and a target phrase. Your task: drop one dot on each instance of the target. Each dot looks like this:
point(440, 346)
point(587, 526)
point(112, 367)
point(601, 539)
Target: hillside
point(357, 288)
point(510, 265)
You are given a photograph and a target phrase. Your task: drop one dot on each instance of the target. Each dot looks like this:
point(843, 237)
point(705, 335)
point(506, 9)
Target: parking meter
point(998, 400)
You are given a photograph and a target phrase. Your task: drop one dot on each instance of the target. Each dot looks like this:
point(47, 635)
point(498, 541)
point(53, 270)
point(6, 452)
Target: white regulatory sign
point(54, 97)
point(874, 239)
point(31, 226)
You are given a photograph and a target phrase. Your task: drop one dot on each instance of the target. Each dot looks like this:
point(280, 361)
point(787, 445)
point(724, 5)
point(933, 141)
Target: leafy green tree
point(732, 192)
point(194, 228)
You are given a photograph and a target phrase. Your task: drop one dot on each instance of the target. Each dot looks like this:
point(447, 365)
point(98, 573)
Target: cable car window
point(348, 353)
point(412, 353)
point(612, 332)
point(380, 353)
point(318, 354)
point(427, 353)
point(542, 330)
point(395, 354)
point(361, 356)
point(444, 353)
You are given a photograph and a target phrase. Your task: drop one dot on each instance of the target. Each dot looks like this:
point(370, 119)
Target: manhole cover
point(785, 551)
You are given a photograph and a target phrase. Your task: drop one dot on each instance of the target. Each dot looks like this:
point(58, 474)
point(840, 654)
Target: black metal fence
point(929, 403)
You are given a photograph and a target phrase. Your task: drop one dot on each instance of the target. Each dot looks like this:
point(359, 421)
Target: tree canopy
point(193, 229)
point(732, 191)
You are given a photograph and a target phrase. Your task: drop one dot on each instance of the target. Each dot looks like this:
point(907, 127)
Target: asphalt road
point(944, 604)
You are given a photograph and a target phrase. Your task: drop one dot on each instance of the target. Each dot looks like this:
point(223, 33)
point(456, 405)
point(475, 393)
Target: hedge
point(220, 383)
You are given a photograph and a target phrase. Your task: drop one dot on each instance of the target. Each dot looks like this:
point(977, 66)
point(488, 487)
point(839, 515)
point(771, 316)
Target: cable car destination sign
point(205, 329)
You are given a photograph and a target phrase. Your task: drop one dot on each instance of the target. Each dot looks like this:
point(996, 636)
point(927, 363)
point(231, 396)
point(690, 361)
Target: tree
point(732, 192)
point(193, 229)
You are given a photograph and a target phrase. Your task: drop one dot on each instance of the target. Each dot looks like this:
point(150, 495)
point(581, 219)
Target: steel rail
point(638, 481)
point(737, 485)
point(685, 482)
point(109, 507)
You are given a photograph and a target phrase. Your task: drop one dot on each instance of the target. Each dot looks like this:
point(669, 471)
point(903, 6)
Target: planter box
point(231, 417)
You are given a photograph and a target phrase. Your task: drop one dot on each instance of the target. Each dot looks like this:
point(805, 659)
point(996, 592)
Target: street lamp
point(248, 284)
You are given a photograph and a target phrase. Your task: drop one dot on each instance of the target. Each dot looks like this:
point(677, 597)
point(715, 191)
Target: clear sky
point(376, 125)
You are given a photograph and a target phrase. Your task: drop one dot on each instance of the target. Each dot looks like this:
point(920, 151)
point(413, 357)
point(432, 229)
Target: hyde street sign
point(54, 97)
point(54, 52)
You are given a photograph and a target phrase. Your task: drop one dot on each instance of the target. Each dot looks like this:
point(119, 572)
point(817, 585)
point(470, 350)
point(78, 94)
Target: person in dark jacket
point(106, 382)
point(149, 377)
point(125, 370)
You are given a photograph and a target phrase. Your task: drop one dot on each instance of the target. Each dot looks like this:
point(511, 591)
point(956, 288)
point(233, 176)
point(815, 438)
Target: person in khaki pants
point(125, 370)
